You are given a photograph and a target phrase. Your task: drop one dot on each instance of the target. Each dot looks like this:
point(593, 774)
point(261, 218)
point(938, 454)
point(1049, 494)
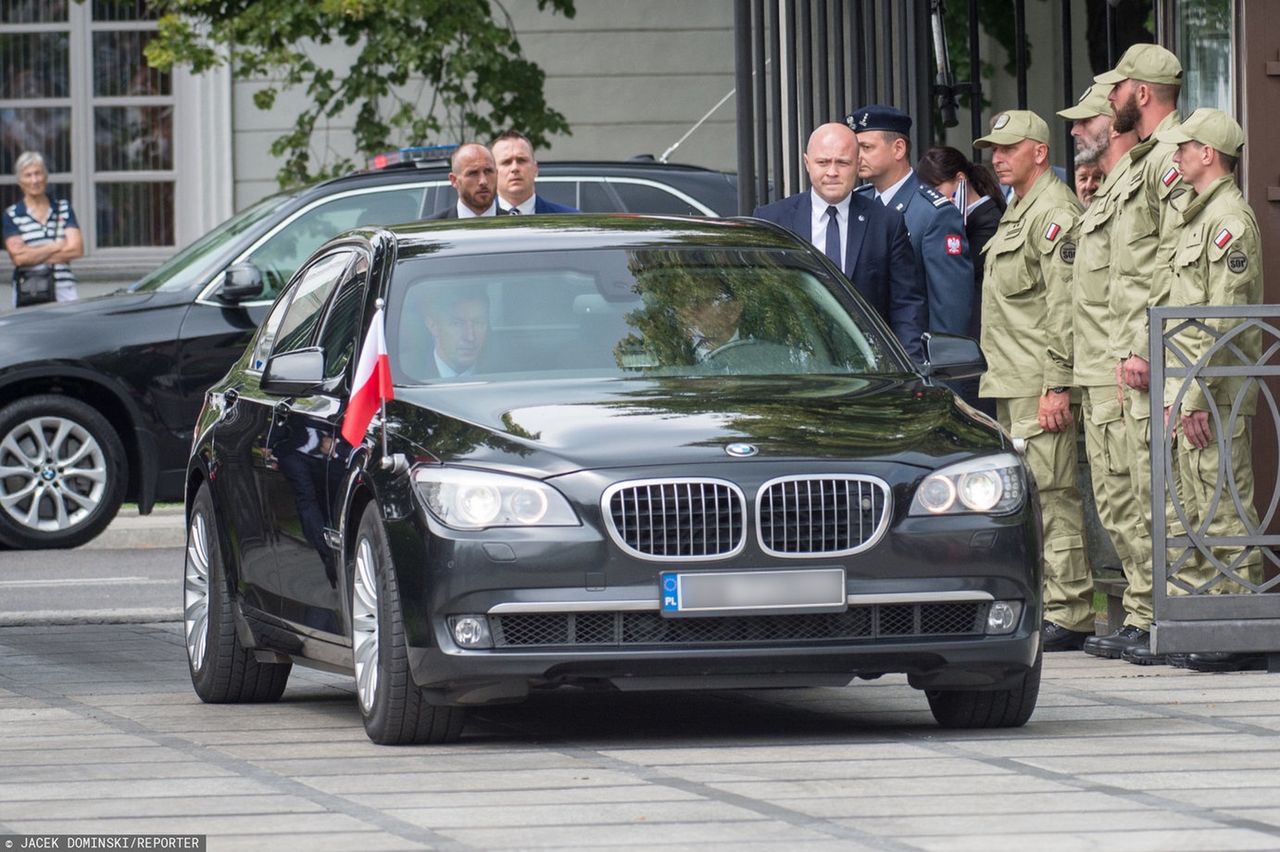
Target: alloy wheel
point(53, 473)
point(364, 623)
point(195, 612)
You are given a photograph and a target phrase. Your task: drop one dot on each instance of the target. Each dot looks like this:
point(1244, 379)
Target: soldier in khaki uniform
point(1093, 367)
point(1145, 89)
point(1217, 261)
point(1026, 330)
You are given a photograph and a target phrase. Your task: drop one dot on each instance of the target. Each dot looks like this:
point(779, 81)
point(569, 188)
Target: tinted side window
point(596, 198)
point(306, 304)
point(642, 198)
point(338, 337)
point(281, 255)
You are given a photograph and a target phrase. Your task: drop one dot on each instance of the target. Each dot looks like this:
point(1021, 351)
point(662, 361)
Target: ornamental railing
point(1214, 564)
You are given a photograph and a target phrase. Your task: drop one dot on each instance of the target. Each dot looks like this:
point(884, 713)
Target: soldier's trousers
point(1201, 478)
point(1138, 437)
point(1105, 445)
point(1051, 457)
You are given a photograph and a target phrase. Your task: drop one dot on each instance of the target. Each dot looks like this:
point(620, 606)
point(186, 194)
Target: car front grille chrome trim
point(517, 607)
point(681, 519)
point(828, 515)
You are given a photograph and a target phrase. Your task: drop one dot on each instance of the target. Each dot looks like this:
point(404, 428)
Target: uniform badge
point(1068, 253)
point(1001, 120)
point(1051, 233)
point(1224, 237)
point(954, 244)
point(1237, 261)
point(1171, 177)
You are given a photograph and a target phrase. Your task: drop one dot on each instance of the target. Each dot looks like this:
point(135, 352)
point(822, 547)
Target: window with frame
point(76, 88)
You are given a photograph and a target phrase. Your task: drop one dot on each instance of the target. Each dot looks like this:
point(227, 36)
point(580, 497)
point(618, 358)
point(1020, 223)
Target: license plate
point(753, 592)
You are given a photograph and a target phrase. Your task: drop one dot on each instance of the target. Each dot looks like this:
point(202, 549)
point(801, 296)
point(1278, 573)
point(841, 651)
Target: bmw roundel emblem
point(741, 451)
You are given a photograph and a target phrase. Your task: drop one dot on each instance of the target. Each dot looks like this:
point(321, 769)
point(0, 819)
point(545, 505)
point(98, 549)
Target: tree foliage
point(424, 69)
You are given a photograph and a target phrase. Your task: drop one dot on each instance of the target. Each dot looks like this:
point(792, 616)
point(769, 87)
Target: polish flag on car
point(372, 385)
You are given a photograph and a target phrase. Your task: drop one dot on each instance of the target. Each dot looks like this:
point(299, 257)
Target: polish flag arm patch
point(1224, 237)
point(1171, 177)
point(1051, 233)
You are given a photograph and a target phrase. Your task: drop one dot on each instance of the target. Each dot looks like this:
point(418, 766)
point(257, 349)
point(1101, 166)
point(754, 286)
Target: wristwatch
point(1060, 389)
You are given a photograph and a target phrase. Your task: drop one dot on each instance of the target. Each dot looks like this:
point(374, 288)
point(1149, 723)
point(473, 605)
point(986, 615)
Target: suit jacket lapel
point(857, 230)
point(802, 224)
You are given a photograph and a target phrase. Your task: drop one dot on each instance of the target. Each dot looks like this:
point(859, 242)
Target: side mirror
point(949, 356)
point(296, 373)
point(242, 281)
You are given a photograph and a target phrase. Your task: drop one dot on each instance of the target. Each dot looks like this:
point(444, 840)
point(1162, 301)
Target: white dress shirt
point(818, 224)
point(892, 192)
point(465, 212)
point(525, 208)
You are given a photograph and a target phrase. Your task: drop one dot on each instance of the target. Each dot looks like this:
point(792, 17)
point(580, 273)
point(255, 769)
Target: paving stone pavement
point(100, 732)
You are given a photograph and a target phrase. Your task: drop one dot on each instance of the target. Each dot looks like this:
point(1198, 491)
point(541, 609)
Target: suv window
point(306, 303)
point(644, 198)
point(285, 250)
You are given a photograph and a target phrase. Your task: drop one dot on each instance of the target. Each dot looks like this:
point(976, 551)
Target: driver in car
point(712, 323)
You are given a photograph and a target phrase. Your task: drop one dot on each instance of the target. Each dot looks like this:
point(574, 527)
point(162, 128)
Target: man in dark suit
point(867, 240)
point(517, 172)
point(474, 175)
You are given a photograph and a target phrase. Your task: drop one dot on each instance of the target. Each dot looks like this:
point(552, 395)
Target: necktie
point(833, 236)
point(513, 211)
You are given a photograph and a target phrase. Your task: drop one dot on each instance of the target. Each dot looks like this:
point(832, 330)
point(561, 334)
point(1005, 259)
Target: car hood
point(76, 329)
point(555, 427)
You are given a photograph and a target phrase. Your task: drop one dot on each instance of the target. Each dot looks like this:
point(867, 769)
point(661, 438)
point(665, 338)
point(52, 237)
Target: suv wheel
point(62, 472)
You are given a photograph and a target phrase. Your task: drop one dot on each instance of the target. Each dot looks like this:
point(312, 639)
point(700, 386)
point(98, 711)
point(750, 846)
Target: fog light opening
point(472, 631)
point(1002, 617)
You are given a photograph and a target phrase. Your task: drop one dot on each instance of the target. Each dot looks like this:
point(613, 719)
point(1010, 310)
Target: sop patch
point(1068, 253)
point(1237, 261)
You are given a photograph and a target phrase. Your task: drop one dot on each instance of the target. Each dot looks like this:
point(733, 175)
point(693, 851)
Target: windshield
point(198, 261)
point(669, 312)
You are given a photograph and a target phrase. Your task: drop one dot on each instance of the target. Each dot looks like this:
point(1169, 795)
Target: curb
point(47, 617)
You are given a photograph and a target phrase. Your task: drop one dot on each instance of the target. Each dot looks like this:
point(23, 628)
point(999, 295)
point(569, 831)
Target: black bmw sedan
point(608, 452)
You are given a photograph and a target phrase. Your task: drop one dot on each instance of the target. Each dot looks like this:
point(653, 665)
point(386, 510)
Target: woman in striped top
point(40, 230)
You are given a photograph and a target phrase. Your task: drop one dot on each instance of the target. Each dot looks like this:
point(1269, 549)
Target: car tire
point(222, 670)
point(395, 710)
point(1000, 708)
point(71, 460)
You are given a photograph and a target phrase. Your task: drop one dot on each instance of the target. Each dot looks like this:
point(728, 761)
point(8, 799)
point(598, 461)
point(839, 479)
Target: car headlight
point(473, 500)
point(991, 485)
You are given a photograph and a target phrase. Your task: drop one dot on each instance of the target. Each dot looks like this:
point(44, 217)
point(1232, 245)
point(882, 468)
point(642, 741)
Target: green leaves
point(424, 71)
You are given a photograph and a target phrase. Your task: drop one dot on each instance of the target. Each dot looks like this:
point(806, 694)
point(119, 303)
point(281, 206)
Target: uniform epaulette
point(937, 199)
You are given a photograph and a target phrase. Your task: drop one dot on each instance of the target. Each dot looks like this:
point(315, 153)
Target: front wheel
point(62, 472)
point(395, 710)
point(222, 670)
point(1000, 708)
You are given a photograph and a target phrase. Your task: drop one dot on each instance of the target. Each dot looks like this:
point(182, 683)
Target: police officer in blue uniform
point(934, 224)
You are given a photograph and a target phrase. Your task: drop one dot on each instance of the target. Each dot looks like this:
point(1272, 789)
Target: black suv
point(98, 397)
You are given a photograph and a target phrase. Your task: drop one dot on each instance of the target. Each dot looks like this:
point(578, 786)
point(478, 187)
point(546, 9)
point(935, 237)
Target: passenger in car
point(458, 319)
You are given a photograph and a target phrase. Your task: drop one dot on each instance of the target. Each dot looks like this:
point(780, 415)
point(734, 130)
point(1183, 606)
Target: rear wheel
point(62, 472)
point(1001, 708)
point(222, 670)
point(395, 710)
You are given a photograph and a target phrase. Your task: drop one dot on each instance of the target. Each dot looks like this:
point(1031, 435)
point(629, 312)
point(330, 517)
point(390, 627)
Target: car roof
point(405, 172)
point(564, 232)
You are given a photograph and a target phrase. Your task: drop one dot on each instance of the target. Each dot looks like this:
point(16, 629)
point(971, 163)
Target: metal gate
point(1207, 594)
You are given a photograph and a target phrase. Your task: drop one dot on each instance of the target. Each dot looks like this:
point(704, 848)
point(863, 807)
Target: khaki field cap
point(1211, 127)
point(1092, 102)
point(1012, 126)
point(1149, 63)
